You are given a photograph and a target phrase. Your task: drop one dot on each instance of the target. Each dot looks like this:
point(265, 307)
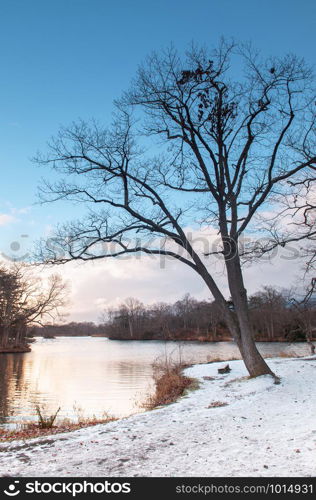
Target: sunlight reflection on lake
point(96, 374)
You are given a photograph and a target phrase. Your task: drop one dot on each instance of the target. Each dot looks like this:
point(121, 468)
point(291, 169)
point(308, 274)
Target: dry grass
point(211, 359)
point(238, 379)
point(287, 355)
point(34, 430)
point(283, 354)
point(217, 404)
point(170, 383)
point(44, 421)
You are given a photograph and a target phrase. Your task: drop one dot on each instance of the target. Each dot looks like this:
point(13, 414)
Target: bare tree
point(306, 311)
point(133, 310)
point(225, 148)
point(267, 307)
point(301, 206)
point(25, 300)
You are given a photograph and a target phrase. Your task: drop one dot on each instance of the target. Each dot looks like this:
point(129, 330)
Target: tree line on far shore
point(30, 306)
point(71, 329)
point(275, 316)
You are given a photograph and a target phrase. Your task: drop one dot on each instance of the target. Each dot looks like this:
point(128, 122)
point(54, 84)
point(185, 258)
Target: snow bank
point(263, 430)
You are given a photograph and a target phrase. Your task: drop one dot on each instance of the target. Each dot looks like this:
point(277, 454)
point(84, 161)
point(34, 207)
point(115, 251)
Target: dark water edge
point(88, 376)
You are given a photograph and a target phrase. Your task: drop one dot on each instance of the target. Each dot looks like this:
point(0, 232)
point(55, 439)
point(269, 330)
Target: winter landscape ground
point(231, 425)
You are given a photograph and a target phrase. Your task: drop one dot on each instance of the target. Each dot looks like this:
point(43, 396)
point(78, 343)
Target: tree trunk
point(4, 336)
point(238, 321)
point(254, 362)
point(130, 327)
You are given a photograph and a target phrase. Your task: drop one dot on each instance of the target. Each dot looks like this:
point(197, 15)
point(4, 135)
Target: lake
point(92, 375)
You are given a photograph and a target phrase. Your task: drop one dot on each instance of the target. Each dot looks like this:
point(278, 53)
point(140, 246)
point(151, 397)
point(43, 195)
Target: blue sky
point(66, 59)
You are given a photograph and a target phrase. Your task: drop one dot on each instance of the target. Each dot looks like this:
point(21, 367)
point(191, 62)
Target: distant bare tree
point(184, 307)
point(267, 307)
point(133, 309)
point(25, 300)
point(306, 308)
point(227, 147)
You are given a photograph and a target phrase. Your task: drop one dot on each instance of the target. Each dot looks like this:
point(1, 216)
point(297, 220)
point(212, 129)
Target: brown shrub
point(170, 383)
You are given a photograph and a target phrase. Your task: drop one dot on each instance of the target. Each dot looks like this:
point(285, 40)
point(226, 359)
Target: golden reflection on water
point(94, 374)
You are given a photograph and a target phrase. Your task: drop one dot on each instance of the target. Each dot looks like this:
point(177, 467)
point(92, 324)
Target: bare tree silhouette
point(226, 148)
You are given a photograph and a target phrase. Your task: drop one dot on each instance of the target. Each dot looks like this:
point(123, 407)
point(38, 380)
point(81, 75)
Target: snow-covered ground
point(264, 430)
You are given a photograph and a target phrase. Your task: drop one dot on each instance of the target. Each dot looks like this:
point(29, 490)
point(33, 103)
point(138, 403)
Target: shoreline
point(32, 430)
point(230, 426)
point(15, 349)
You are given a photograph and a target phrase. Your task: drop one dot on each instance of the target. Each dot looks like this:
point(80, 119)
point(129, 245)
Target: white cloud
point(106, 283)
point(12, 214)
point(6, 219)
point(103, 283)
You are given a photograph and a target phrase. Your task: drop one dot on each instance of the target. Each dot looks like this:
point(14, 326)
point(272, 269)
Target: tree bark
point(254, 362)
point(238, 321)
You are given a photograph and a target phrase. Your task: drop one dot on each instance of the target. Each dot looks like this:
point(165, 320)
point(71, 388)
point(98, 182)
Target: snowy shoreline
point(262, 429)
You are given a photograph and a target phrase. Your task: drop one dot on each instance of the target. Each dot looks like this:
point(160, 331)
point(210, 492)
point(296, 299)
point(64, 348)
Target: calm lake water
point(90, 375)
